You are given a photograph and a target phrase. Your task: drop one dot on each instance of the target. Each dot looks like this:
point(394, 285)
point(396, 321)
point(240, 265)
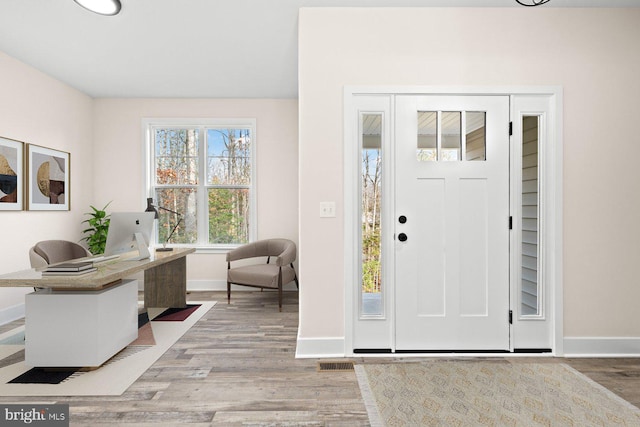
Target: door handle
point(402, 219)
point(402, 237)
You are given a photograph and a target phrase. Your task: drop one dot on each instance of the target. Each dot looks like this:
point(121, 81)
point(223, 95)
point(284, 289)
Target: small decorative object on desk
point(68, 273)
point(96, 233)
point(69, 268)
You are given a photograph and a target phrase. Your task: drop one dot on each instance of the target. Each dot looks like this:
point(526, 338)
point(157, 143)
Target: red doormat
point(176, 314)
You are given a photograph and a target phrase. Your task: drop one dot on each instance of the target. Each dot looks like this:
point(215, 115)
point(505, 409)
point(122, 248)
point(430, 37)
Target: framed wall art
point(11, 175)
point(47, 179)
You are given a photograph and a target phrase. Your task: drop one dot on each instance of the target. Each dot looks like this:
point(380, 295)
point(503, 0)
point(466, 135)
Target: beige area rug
point(112, 378)
point(484, 393)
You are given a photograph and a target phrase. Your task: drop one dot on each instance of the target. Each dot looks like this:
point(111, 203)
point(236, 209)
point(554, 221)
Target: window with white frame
point(203, 170)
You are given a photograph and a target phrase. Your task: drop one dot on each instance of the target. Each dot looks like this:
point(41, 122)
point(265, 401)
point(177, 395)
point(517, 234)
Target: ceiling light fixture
point(530, 3)
point(103, 7)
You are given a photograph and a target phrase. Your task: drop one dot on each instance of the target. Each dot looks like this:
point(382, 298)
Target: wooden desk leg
point(166, 285)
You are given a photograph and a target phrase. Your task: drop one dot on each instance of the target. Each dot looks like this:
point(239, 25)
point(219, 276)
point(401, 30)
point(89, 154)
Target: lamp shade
point(102, 7)
point(151, 208)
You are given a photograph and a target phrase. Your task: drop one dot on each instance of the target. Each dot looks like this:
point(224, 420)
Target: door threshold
point(518, 352)
point(453, 351)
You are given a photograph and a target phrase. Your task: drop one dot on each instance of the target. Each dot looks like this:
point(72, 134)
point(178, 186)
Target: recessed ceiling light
point(103, 7)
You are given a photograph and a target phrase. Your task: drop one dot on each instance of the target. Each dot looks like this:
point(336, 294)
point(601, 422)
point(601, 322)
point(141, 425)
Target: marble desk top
point(108, 272)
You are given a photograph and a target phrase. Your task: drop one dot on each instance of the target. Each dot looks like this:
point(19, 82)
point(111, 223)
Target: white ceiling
point(183, 48)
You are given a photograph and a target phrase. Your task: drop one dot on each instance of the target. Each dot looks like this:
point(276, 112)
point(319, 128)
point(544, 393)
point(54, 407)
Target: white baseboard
point(207, 285)
point(12, 313)
point(203, 285)
point(319, 348)
point(601, 347)
point(221, 285)
point(573, 347)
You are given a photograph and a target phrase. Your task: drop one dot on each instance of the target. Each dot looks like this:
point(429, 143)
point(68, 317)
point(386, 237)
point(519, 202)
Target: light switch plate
point(327, 209)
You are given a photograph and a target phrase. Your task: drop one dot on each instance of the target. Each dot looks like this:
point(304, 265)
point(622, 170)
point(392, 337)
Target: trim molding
point(12, 313)
point(318, 348)
point(601, 347)
point(554, 193)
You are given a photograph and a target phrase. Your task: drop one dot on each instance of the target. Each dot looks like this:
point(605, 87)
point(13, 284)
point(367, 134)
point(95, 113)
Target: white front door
point(452, 223)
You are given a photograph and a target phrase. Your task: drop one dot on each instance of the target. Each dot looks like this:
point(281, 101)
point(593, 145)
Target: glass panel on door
point(440, 136)
point(371, 303)
point(451, 136)
point(475, 131)
point(427, 136)
point(530, 286)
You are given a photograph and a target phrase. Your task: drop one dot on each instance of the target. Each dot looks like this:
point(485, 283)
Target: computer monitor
point(129, 231)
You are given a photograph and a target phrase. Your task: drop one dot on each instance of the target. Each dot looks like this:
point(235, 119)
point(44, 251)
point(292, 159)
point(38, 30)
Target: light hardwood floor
point(237, 366)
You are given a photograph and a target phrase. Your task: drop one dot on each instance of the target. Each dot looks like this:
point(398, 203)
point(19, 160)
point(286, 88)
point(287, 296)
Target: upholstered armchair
point(54, 251)
point(272, 275)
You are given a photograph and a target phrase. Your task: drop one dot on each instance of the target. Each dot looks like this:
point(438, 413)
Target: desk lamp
point(153, 208)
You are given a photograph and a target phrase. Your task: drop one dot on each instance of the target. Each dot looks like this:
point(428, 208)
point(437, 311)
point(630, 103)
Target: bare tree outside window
point(229, 176)
point(176, 154)
point(213, 164)
point(371, 210)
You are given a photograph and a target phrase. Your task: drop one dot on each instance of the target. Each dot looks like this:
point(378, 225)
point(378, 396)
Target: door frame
point(551, 177)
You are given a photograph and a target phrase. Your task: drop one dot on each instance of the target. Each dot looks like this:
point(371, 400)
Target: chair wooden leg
point(228, 283)
point(295, 277)
point(280, 290)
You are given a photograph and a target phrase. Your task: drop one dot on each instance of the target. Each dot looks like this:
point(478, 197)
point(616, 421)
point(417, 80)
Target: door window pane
point(530, 286)
point(475, 132)
point(451, 136)
point(427, 136)
point(371, 195)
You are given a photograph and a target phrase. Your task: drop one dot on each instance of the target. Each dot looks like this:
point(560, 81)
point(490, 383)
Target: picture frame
point(48, 184)
point(12, 175)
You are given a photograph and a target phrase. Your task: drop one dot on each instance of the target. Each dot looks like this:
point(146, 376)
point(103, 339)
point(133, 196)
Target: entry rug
point(111, 379)
point(500, 393)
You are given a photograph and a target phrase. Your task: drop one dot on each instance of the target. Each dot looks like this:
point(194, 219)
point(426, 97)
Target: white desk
point(79, 328)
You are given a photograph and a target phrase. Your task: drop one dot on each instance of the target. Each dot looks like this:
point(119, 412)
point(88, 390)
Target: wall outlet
point(327, 209)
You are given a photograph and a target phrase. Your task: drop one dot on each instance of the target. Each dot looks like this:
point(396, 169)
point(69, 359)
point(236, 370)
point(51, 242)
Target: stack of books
point(69, 269)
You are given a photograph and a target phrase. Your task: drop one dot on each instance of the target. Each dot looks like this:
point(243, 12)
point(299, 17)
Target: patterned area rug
point(486, 393)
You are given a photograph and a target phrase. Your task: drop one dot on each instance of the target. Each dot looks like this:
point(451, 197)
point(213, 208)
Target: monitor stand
point(143, 249)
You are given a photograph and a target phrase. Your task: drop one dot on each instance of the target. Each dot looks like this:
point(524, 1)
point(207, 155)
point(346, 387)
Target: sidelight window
point(530, 286)
point(371, 199)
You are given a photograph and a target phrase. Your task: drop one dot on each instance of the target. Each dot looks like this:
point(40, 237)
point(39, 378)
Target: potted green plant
point(96, 234)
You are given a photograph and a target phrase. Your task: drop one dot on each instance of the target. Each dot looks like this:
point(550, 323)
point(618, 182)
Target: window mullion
point(202, 209)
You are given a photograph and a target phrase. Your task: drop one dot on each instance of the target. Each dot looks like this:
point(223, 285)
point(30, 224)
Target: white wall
point(37, 109)
point(119, 171)
point(591, 53)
